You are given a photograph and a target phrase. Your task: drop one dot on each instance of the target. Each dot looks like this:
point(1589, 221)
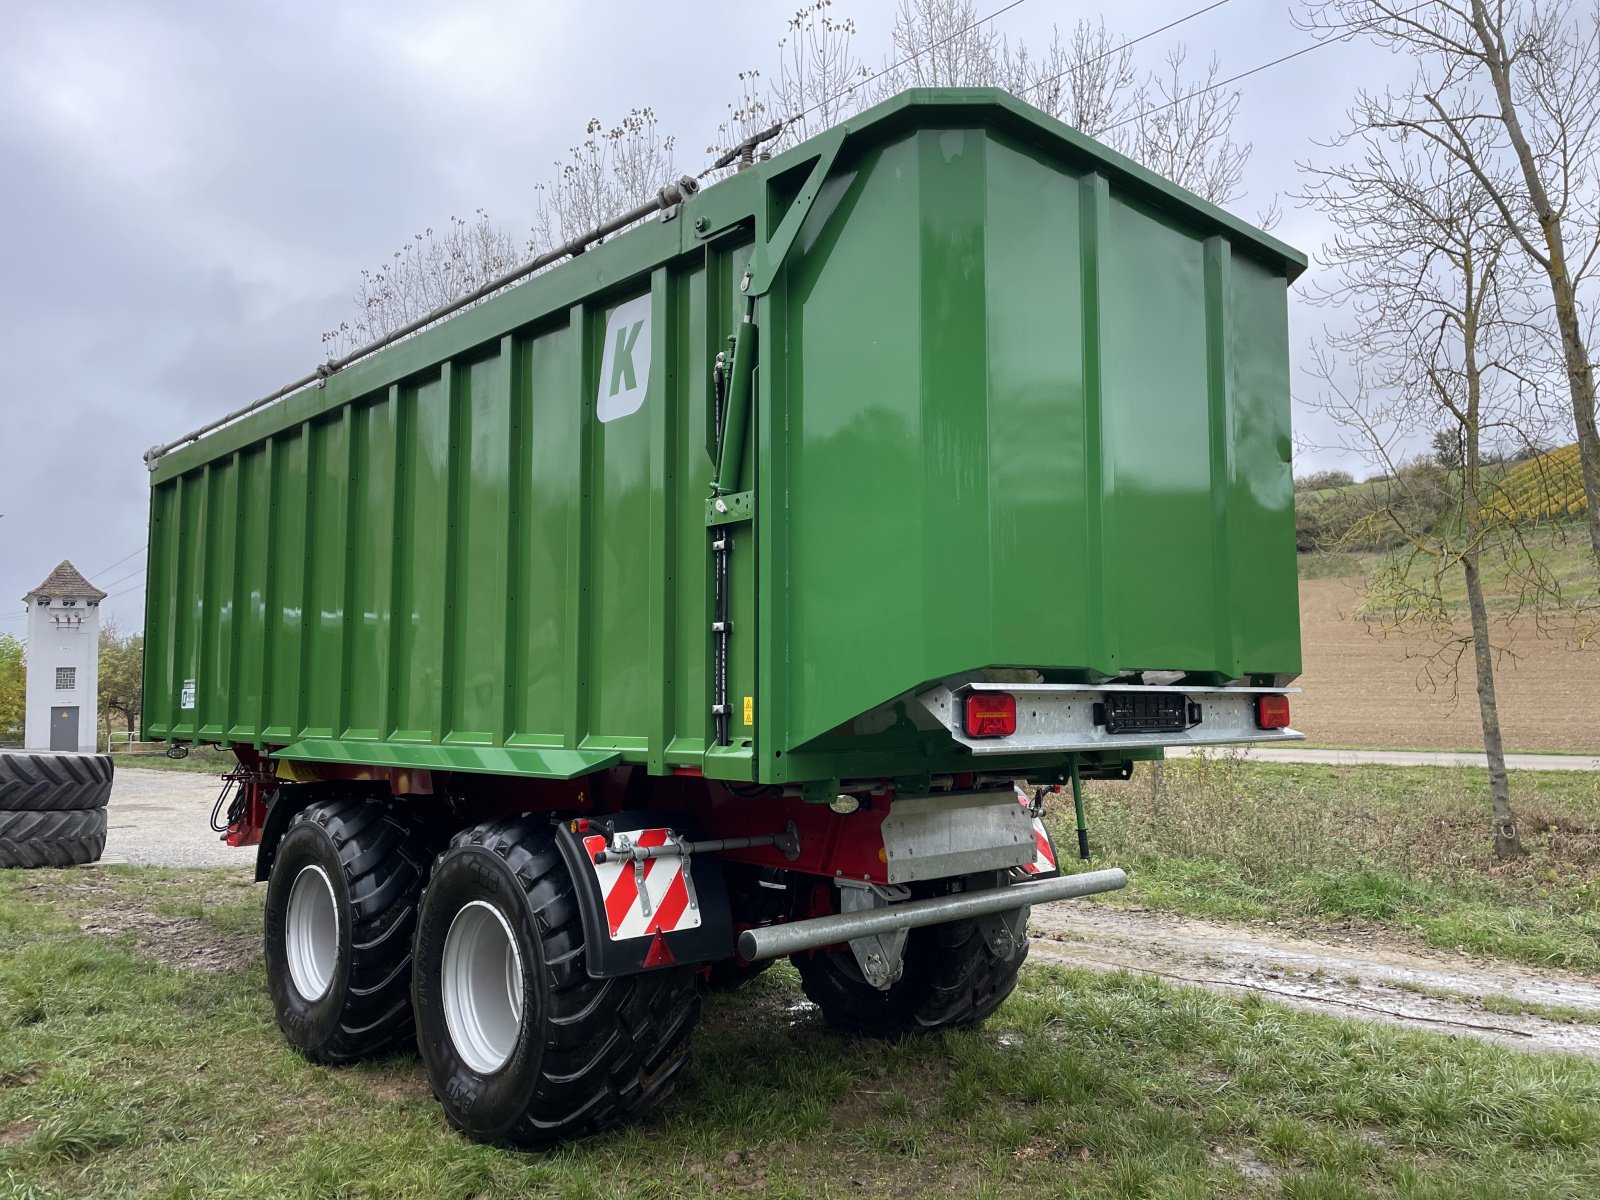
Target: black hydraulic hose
point(217, 809)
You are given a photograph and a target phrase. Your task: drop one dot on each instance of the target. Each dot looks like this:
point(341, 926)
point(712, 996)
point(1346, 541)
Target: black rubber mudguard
point(711, 941)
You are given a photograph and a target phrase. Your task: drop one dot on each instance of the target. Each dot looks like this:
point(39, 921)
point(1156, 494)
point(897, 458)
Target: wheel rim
point(311, 933)
point(481, 978)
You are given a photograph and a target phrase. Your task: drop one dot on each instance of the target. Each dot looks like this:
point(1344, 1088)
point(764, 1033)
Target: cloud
point(190, 190)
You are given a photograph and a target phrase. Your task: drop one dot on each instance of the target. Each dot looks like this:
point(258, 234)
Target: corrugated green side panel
point(468, 558)
point(1018, 403)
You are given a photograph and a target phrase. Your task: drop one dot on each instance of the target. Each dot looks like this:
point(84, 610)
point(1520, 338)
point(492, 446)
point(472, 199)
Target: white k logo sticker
point(625, 369)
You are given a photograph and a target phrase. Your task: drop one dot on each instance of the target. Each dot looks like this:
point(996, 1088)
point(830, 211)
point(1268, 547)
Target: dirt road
point(1369, 978)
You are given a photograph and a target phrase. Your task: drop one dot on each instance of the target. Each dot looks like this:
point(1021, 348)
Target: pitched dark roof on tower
point(65, 583)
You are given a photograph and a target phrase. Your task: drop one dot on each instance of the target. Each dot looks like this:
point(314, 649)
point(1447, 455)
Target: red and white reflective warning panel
point(642, 898)
point(1044, 854)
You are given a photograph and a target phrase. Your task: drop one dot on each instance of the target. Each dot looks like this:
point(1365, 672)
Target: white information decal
point(625, 369)
point(186, 697)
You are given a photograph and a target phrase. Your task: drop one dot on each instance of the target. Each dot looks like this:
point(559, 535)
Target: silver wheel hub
point(481, 986)
point(311, 933)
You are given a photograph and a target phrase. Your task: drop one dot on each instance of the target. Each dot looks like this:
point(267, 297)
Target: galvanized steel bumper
point(774, 941)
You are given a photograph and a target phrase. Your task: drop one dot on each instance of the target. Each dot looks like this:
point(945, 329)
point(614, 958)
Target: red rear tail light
point(1272, 712)
point(991, 714)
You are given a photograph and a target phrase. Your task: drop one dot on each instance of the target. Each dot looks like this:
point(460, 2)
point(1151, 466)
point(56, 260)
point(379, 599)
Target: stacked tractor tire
point(52, 808)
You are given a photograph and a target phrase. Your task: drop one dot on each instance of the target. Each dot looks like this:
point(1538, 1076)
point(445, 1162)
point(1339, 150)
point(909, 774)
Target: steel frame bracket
point(880, 956)
point(731, 509)
point(820, 791)
point(769, 254)
point(1006, 931)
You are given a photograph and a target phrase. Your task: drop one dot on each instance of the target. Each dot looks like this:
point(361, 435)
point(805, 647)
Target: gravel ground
point(1400, 758)
point(162, 819)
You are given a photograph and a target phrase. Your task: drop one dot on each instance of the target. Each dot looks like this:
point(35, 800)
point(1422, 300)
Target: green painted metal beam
point(552, 763)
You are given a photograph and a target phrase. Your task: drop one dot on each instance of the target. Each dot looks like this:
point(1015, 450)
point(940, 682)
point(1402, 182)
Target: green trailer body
point(1016, 403)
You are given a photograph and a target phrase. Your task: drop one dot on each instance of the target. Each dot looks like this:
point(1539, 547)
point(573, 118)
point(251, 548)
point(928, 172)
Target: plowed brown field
point(1363, 689)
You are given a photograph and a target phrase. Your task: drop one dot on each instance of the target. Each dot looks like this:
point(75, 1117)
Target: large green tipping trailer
point(734, 589)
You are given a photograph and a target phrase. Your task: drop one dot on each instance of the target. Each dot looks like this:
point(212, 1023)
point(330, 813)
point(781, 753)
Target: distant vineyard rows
point(1334, 512)
point(1543, 487)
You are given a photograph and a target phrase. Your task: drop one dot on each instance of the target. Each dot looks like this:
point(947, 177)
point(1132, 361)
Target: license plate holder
point(1147, 712)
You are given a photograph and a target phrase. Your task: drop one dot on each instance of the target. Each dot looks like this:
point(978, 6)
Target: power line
point(120, 561)
point(1143, 37)
point(1139, 116)
point(124, 579)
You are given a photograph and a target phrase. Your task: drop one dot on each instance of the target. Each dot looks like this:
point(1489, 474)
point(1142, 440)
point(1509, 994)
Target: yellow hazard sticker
point(749, 710)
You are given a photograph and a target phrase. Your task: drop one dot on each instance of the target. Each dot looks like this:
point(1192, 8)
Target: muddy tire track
point(1367, 978)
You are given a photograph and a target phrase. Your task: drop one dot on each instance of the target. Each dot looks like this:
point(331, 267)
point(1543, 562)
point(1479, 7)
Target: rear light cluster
point(1272, 712)
point(991, 714)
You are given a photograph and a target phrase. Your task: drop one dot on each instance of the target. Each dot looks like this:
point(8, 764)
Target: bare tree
point(817, 81)
point(1186, 132)
point(612, 170)
point(818, 73)
point(941, 43)
point(1507, 90)
point(430, 269)
point(1089, 81)
point(1178, 126)
point(1426, 269)
point(753, 112)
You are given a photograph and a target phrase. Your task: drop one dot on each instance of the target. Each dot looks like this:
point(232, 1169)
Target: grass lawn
point(125, 1072)
point(1400, 847)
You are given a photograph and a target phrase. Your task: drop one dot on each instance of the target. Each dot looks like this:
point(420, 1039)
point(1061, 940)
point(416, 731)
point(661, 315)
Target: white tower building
point(63, 662)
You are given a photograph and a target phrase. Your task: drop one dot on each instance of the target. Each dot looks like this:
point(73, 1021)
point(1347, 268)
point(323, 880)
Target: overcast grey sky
point(191, 189)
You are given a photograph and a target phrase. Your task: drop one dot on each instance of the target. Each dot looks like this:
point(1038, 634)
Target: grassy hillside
point(1334, 512)
point(1536, 505)
point(1560, 550)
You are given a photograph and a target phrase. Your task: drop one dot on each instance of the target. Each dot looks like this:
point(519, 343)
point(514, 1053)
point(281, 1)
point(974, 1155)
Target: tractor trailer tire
point(952, 980)
point(68, 838)
point(341, 912)
point(50, 782)
point(523, 1047)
